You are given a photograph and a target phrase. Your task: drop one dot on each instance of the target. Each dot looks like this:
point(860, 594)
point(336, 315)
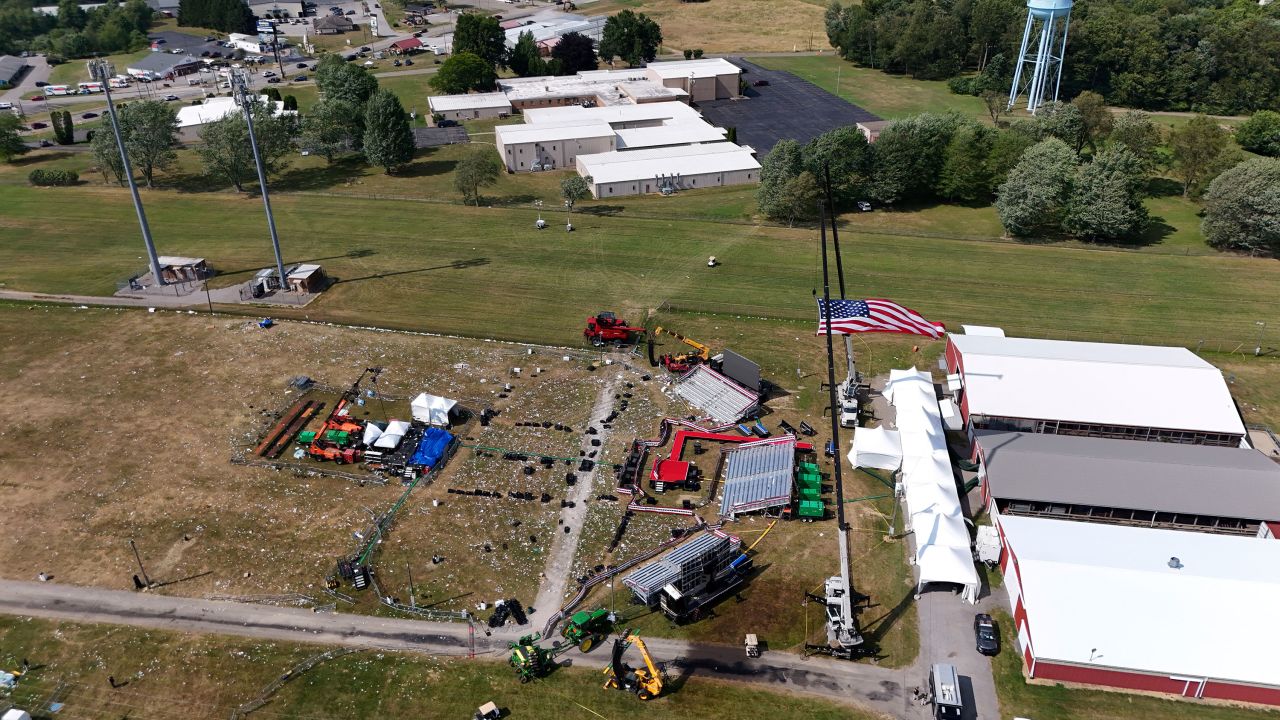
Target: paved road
point(872, 687)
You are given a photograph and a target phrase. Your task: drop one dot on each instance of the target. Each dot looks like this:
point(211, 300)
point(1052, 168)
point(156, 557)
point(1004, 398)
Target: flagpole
point(851, 367)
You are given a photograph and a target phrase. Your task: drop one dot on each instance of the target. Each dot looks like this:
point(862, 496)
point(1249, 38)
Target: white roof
point(614, 113)
point(178, 260)
point(620, 166)
point(216, 108)
point(391, 437)
point(982, 330)
point(303, 272)
point(1108, 591)
point(471, 101)
point(877, 447)
point(432, 409)
point(706, 67)
point(600, 84)
point(1102, 383)
point(684, 133)
point(546, 132)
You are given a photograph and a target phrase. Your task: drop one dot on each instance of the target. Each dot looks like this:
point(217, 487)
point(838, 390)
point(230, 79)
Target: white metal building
point(1185, 613)
point(681, 167)
point(1135, 392)
point(703, 79)
point(472, 106)
point(216, 108)
point(551, 146)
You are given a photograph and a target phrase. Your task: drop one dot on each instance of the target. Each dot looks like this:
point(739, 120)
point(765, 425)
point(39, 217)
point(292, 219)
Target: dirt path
point(878, 689)
point(555, 579)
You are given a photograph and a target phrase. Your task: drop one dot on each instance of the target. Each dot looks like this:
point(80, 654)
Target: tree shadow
point(426, 168)
point(602, 210)
point(1163, 187)
point(34, 158)
point(1155, 234)
point(197, 183)
point(339, 172)
point(522, 199)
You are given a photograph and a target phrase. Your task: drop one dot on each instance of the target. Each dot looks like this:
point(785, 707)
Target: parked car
point(351, 12)
point(273, 81)
point(39, 126)
point(365, 49)
point(300, 78)
point(407, 61)
point(36, 98)
point(760, 83)
point(89, 116)
point(986, 639)
point(397, 63)
point(45, 143)
point(447, 123)
point(41, 83)
point(209, 38)
point(417, 34)
point(302, 66)
point(170, 98)
point(864, 206)
point(268, 74)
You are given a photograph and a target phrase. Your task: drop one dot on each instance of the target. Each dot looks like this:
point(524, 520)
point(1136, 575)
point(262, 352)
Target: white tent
point(930, 499)
point(940, 529)
point(390, 438)
point(432, 409)
point(371, 433)
point(877, 447)
point(950, 565)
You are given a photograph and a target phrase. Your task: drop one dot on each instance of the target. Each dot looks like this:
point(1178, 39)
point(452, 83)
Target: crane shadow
point(455, 265)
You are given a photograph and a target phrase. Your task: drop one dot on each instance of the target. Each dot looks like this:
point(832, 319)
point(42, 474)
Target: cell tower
point(1039, 67)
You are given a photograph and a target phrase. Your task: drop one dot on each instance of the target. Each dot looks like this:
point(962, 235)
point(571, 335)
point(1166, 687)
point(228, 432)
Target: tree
point(388, 139)
point(63, 127)
point(225, 15)
point(463, 73)
point(799, 198)
point(333, 127)
point(573, 189)
point(1096, 119)
point(996, 103)
point(909, 154)
point(482, 36)
point(1242, 207)
point(966, 167)
point(272, 94)
point(224, 147)
point(290, 102)
point(341, 80)
point(1036, 192)
point(1199, 150)
point(1135, 132)
point(784, 162)
point(844, 154)
point(1006, 150)
point(575, 52)
point(1063, 121)
point(525, 60)
point(107, 155)
point(479, 168)
point(1261, 133)
point(11, 144)
point(1106, 199)
point(688, 54)
point(631, 36)
point(150, 130)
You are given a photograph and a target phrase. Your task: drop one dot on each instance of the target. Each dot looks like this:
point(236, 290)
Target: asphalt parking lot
point(437, 136)
point(787, 108)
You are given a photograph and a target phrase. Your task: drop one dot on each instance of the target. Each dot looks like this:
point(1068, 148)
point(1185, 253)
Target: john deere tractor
point(532, 661)
point(587, 628)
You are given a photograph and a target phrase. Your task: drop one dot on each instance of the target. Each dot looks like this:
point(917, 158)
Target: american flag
point(875, 315)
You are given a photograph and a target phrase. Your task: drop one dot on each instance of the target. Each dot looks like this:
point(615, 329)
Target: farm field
point(751, 25)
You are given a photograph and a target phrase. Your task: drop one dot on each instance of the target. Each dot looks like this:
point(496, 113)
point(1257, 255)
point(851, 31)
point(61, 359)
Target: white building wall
point(641, 186)
point(560, 154)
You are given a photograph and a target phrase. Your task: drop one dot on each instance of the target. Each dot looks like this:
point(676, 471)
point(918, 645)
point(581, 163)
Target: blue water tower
point(1044, 44)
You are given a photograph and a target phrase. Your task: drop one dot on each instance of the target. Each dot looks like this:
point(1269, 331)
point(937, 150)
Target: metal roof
point(1133, 475)
point(1097, 383)
point(701, 68)
point(651, 578)
point(470, 101)
point(713, 393)
point(10, 67)
point(758, 476)
point(162, 62)
point(647, 163)
point(684, 133)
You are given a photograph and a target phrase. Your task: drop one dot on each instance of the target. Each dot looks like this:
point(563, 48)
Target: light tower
point(1039, 69)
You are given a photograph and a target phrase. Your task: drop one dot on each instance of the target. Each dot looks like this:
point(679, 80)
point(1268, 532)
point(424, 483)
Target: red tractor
point(608, 328)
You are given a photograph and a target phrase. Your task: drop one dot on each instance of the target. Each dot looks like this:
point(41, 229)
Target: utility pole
point(1262, 327)
point(100, 70)
point(138, 557)
point(240, 86)
point(412, 603)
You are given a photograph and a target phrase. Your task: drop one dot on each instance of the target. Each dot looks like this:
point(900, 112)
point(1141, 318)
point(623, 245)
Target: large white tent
point(943, 547)
point(432, 409)
point(877, 447)
point(371, 433)
point(390, 438)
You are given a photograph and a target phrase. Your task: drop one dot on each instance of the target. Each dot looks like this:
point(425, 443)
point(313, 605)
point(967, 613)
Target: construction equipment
point(752, 645)
point(682, 363)
point(532, 661)
point(605, 328)
point(586, 628)
point(645, 682)
point(321, 450)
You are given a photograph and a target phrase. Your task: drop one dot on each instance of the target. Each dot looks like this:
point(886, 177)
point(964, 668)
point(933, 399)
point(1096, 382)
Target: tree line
point(73, 32)
point(480, 51)
point(229, 16)
point(1074, 170)
point(1193, 55)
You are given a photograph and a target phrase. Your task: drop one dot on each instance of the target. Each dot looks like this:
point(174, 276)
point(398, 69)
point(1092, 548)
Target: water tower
point(1044, 44)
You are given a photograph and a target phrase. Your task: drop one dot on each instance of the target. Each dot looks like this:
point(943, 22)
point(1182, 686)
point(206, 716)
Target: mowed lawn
point(486, 271)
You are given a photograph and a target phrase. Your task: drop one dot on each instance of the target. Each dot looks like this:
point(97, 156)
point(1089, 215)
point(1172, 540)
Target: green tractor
point(532, 661)
point(587, 628)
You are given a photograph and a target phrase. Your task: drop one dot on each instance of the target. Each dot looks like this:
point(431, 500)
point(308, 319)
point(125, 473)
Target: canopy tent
point(432, 409)
point(390, 438)
point(943, 547)
point(371, 433)
point(877, 447)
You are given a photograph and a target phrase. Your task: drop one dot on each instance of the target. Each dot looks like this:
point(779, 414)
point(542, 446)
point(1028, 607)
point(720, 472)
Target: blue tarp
point(432, 447)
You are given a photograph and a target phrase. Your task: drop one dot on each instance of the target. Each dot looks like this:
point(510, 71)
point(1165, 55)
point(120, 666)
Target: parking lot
point(787, 107)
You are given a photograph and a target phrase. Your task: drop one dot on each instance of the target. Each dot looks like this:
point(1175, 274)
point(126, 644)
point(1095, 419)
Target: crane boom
point(704, 351)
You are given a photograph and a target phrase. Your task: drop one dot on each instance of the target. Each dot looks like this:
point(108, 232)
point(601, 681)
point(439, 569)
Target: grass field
point(1056, 702)
point(746, 26)
point(172, 676)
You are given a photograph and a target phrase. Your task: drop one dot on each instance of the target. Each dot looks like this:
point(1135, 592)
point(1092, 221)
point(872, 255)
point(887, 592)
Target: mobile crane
point(645, 682)
point(679, 363)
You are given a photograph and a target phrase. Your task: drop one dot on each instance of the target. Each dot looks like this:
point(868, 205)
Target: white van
point(944, 692)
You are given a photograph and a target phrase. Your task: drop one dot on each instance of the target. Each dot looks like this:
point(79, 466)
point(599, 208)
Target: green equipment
point(307, 437)
point(338, 437)
point(812, 510)
point(532, 661)
point(586, 628)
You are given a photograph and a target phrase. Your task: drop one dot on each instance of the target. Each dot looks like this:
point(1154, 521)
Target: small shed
point(307, 278)
point(406, 46)
point(871, 129)
point(175, 269)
